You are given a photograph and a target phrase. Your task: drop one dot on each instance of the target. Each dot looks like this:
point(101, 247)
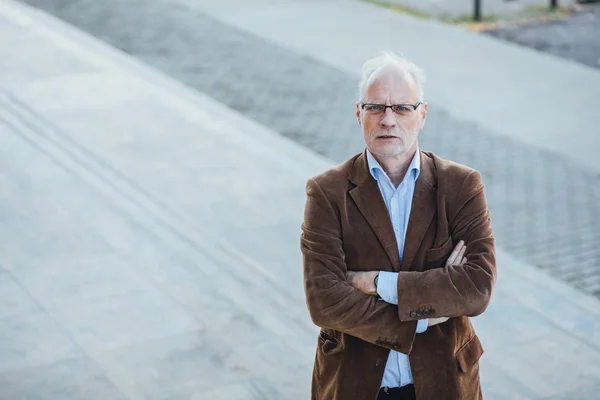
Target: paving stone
point(574, 37)
point(73, 379)
point(539, 200)
point(33, 340)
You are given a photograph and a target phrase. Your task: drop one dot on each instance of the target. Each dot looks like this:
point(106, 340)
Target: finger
point(454, 253)
point(436, 321)
point(461, 254)
point(350, 277)
point(463, 261)
point(459, 250)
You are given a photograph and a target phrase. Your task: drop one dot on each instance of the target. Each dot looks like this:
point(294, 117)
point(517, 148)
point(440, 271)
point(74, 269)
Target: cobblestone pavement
point(574, 38)
point(546, 209)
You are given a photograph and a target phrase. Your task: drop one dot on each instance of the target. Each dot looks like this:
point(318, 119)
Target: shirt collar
point(413, 169)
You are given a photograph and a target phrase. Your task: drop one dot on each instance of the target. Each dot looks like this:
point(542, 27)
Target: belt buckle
point(386, 389)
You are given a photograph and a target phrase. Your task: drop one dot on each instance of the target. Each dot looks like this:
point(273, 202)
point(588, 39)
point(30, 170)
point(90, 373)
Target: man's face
point(390, 134)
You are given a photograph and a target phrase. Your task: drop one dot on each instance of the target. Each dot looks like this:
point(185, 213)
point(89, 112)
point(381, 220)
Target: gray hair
point(389, 58)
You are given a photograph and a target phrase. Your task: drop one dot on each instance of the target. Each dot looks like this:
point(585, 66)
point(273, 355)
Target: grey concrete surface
point(157, 213)
point(549, 216)
point(575, 37)
point(473, 77)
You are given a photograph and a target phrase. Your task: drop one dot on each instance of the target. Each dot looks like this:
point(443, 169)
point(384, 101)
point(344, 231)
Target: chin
point(388, 152)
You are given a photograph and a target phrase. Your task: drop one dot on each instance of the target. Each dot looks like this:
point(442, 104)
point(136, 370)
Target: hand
point(435, 321)
point(363, 281)
point(457, 257)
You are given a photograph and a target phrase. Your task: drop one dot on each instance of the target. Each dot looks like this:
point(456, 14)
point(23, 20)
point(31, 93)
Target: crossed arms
point(454, 290)
point(387, 289)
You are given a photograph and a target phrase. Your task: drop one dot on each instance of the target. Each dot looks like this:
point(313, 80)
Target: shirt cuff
point(422, 325)
point(387, 286)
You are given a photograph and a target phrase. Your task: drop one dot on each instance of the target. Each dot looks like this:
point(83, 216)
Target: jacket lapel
point(367, 197)
point(422, 211)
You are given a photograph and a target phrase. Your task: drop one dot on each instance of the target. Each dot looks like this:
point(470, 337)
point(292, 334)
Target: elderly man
point(398, 253)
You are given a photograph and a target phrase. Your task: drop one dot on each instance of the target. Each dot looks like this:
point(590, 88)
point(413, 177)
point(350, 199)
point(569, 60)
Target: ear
point(423, 114)
point(358, 113)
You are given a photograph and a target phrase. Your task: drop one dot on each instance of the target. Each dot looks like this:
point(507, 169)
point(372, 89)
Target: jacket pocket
point(469, 354)
point(438, 255)
point(329, 344)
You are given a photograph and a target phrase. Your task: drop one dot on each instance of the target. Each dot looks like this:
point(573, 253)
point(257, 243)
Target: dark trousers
point(402, 393)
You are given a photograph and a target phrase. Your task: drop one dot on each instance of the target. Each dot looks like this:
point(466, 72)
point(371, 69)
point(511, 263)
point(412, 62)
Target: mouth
point(387, 137)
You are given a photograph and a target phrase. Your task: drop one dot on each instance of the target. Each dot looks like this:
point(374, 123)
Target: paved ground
point(549, 217)
point(573, 35)
point(460, 9)
point(574, 38)
point(134, 267)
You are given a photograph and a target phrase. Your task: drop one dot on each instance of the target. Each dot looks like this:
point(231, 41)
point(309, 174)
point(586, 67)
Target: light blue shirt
point(398, 201)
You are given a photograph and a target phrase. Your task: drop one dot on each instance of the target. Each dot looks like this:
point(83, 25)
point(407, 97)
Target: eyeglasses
point(401, 109)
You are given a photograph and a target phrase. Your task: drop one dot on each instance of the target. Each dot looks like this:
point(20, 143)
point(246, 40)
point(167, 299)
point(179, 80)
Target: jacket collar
point(377, 171)
point(367, 197)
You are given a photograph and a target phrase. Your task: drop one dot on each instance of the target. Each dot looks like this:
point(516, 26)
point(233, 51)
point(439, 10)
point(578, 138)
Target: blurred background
point(153, 156)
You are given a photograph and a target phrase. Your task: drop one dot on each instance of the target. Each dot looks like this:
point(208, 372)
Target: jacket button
point(426, 313)
point(413, 314)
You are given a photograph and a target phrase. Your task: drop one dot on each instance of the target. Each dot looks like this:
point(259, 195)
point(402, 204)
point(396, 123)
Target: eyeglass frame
point(414, 106)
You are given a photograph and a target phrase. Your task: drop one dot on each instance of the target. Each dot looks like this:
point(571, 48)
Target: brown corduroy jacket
point(347, 228)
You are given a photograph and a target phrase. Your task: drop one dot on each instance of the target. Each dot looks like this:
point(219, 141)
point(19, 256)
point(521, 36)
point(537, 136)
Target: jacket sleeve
point(332, 302)
point(454, 290)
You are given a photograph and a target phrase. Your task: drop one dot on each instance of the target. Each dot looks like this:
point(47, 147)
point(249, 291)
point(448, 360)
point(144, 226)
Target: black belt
point(400, 393)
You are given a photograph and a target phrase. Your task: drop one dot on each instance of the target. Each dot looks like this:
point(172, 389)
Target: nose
point(388, 120)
